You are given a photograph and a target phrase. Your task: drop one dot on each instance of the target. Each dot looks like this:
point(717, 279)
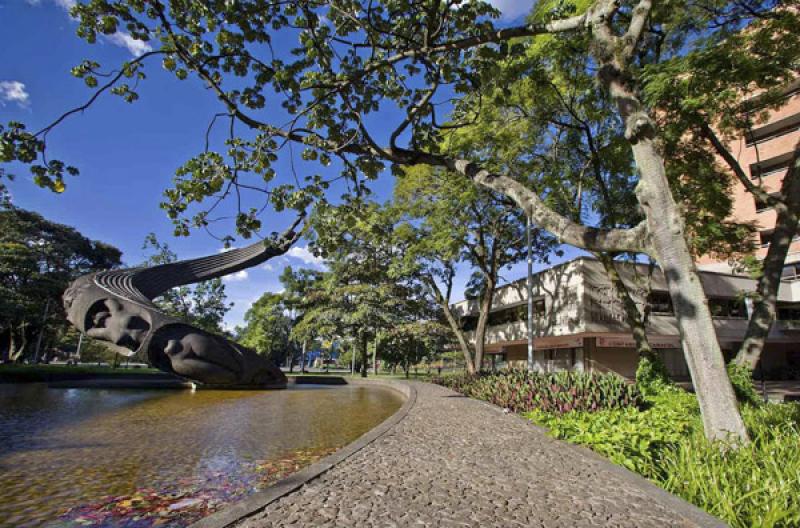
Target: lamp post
point(529, 286)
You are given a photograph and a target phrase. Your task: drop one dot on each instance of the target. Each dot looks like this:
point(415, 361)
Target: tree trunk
point(667, 240)
point(483, 323)
point(375, 358)
point(16, 354)
point(364, 355)
point(632, 314)
point(454, 326)
point(303, 358)
point(721, 418)
point(764, 309)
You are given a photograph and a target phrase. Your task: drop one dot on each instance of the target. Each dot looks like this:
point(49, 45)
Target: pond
point(127, 458)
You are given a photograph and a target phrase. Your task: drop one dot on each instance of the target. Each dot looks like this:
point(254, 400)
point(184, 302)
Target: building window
point(516, 313)
point(508, 315)
point(791, 272)
point(727, 308)
point(771, 166)
point(788, 312)
point(773, 130)
point(660, 303)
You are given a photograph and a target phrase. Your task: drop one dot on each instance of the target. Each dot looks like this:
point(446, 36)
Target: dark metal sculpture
point(116, 306)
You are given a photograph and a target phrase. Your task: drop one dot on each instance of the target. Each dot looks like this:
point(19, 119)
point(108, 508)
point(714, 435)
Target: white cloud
point(303, 254)
point(268, 267)
point(14, 92)
point(120, 38)
point(124, 40)
point(236, 277)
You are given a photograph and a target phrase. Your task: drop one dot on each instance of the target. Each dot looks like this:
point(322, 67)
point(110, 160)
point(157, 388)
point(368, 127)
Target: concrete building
point(765, 155)
point(580, 324)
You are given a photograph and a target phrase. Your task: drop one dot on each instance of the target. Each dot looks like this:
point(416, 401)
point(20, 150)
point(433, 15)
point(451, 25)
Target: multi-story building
point(765, 155)
point(580, 324)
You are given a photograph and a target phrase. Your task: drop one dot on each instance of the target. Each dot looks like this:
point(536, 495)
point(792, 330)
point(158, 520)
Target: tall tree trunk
point(463, 343)
point(632, 315)
point(483, 322)
point(665, 227)
point(364, 354)
point(18, 353)
point(764, 308)
point(715, 395)
point(375, 357)
point(9, 356)
point(303, 358)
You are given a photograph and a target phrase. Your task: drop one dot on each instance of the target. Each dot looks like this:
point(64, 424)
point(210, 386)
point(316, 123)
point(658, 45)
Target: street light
point(529, 285)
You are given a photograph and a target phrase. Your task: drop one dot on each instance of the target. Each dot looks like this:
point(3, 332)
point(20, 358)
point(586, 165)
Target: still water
point(127, 458)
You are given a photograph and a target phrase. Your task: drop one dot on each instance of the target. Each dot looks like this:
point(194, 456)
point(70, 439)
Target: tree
point(410, 343)
point(360, 296)
point(203, 305)
point(268, 327)
point(357, 58)
point(444, 222)
point(720, 91)
point(38, 259)
point(297, 288)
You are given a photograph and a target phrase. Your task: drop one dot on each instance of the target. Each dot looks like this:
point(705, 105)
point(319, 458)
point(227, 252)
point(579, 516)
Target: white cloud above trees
point(303, 254)
point(120, 38)
point(14, 92)
point(134, 46)
point(236, 277)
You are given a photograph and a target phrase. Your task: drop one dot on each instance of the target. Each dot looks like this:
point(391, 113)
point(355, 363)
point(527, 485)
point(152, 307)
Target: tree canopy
point(38, 259)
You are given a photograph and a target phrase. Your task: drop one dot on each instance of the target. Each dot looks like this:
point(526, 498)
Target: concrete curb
point(260, 500)
point(685, 509)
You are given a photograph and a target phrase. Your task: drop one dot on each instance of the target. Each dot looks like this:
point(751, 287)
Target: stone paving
point(453, 461)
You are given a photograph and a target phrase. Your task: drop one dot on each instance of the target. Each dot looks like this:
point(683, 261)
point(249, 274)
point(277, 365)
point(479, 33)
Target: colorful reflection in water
point(78, 457)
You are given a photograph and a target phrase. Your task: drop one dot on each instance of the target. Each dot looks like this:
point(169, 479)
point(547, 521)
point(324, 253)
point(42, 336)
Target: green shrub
point(651, 375)
point(742, 380)
point(562, 392)
point(754, 485)
point(632, 438)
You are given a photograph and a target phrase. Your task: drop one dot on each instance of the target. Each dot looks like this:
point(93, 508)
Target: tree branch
point(707, 132)
point(566, 231)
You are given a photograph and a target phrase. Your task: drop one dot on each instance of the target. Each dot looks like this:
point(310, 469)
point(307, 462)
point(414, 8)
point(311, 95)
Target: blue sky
point(127, 154)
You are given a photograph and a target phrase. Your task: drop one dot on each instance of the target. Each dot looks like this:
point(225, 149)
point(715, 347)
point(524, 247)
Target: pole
point(529, 285)
point(353, 360)
point(41, 332)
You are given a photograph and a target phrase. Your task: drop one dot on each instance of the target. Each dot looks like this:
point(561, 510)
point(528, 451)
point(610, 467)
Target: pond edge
point(261, 499)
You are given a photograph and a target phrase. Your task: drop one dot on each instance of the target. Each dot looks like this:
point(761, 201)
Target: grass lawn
point(41, 373)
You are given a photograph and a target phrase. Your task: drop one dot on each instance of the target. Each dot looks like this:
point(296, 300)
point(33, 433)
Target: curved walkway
point(454, 461)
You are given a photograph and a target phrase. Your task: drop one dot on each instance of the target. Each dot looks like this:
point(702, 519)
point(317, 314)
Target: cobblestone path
point(454, 461)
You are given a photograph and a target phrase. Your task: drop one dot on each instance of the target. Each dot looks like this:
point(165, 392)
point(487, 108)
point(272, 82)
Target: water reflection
point(60, 448)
